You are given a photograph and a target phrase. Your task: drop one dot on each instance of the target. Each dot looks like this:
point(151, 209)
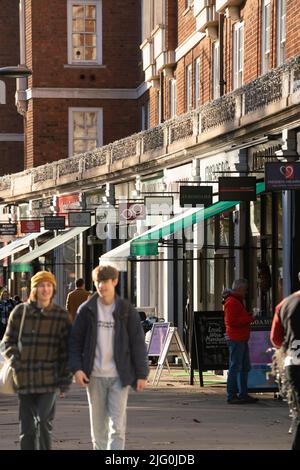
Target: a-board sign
point(260, 356)
point(210, 348)
point(159, 333)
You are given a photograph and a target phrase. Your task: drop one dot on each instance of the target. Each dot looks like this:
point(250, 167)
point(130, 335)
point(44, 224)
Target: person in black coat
point(107, 355)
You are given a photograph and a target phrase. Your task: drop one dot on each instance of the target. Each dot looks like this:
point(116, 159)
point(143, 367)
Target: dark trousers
point(293, 376)
point(36, 413)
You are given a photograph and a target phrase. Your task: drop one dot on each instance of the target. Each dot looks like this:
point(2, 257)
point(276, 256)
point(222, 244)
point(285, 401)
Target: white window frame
point(98, 4)
point(189, 87)
point(99, 135)
point(281, 32)
point(238, 54)
point(266, 37)
point(173, 98)
point(146, 116)
point(215, 70)
point(197, 71)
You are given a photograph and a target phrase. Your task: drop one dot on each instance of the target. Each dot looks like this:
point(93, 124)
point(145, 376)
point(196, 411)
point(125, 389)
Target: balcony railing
point(266, 96)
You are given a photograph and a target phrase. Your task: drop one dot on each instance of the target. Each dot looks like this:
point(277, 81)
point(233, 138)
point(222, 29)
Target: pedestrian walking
point(6, 306)
point(285, 333)
point(107, 355)
point(76, 298)
point(237, 324)
point(41, 366)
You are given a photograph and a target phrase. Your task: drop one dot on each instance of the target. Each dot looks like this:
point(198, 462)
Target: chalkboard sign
point(159, 333)
point(209, 343)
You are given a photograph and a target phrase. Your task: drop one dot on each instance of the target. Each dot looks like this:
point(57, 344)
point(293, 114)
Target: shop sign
point(144, 248)
point(282, 176)
point(54, 223)
point(129, 211)
point(193, 196)
point(241, 188)
point(159, 205)
point(30, 226)
point(79, 219)
point(68, 203)
point(106, 215)
point(8, 229)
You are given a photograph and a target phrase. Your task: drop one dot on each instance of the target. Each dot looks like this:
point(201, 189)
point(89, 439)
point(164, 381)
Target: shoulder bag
point(6, 373)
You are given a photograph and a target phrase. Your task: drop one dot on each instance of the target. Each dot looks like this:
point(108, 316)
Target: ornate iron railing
point(269, 88)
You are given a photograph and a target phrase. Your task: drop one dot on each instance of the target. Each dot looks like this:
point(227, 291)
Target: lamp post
point(19, 71)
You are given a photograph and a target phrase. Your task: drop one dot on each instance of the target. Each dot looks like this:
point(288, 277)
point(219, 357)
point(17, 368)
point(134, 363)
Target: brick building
point(219, 97)
point(11, 123)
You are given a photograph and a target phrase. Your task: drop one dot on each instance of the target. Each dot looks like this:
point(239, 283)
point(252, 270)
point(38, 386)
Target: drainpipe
point(222, 82)
point(20, 98)
point(161, 92)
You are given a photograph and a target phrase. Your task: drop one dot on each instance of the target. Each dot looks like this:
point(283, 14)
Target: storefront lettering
point(212, 172)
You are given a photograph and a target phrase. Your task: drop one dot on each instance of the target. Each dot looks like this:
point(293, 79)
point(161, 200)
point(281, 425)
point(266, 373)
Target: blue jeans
point(107, 403)
point(36, 411)
point(239, 366)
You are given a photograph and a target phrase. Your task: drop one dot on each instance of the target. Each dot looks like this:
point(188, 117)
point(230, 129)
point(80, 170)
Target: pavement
point(171, 416)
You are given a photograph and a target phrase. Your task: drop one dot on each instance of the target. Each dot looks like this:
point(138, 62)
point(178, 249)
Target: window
point(197, 81)
point(188, 87)
point(188, 4)
point(216, 70)
point(266, 25)
point(281, 33)
point(238, 54)
point(153, 14)
point(146, 116)
point(85, 129)
point(172, 98)
point(84, 32)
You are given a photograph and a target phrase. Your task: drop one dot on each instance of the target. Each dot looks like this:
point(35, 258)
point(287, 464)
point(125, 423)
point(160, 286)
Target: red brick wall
point(10, 121)
point(47, 28)
point(47, 53)
point(186, 22)
point(292, 28)
point(48, 126)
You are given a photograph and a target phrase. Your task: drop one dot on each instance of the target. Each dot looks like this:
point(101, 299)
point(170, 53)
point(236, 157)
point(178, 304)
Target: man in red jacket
point(237, 323)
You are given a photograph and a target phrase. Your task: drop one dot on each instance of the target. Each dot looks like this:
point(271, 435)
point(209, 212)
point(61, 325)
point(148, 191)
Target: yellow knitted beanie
point(42, 276)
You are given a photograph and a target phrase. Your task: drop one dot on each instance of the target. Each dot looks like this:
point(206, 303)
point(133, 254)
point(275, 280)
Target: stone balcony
point(269, 103)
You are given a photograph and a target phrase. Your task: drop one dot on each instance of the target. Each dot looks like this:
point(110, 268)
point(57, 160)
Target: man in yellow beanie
point(42, 368)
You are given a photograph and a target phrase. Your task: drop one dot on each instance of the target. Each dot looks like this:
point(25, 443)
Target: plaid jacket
point(41, 366)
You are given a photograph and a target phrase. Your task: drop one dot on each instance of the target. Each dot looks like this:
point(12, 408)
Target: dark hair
point(79, 282)
point(104, 273)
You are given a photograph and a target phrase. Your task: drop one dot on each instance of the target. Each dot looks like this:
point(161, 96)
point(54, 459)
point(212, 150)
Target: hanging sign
point(281, 176)
point(8, 229)
point(79, 219)
point(193, 196)
point(54, 223)
point(242, 188)
point(30, 226)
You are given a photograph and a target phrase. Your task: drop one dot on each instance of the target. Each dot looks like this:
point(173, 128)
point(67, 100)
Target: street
point(172, 416)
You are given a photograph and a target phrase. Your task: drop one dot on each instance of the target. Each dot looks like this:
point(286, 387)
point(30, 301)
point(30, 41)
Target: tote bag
point(6, 373)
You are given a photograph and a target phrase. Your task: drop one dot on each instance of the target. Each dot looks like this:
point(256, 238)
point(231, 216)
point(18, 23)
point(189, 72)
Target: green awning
point(181, 222)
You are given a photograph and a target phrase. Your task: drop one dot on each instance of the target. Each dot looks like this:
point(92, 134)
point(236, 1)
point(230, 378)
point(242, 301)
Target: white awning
point(50, 245)
point(19, 244)
point(117, 257)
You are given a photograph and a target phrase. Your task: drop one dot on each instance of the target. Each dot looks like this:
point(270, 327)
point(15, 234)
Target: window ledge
point(84, 66)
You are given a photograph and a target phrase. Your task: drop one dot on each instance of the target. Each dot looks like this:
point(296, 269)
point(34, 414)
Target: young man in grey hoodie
point(107, 355)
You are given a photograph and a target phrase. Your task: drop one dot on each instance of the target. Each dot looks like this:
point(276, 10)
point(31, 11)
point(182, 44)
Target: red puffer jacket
point(237, 319)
